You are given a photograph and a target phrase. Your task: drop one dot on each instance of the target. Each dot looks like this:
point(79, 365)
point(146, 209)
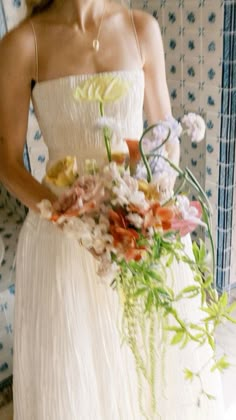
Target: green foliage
point(147, 299)
point(221, 364)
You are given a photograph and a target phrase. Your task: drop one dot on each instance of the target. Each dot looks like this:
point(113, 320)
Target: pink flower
point(86, 196)
point(188, 216)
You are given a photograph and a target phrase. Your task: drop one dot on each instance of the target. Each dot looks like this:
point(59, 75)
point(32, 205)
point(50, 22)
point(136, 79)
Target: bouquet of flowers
point(126, 213)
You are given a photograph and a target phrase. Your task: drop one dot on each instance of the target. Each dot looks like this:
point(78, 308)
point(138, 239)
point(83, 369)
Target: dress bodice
point(69, 125)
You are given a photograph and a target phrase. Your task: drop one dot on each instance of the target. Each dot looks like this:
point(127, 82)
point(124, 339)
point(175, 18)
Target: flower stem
point(105, 134)
point(144, 157)
point(206, 207)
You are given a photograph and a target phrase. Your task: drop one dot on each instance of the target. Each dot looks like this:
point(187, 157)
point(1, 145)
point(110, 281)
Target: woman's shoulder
point(19, 40)
point(145, 23)
point(148, 33)
point(20, 35)
point(18, 47)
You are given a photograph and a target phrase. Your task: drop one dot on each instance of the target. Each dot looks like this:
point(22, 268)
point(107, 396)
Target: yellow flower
point(63, 173)
point(148, 189)
point(105, 88)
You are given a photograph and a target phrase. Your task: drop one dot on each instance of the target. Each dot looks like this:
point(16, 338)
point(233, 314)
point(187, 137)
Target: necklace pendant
point(96, 45)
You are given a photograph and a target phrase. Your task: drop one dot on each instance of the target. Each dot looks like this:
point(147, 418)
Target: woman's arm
point(17, 59)
point(156, 100)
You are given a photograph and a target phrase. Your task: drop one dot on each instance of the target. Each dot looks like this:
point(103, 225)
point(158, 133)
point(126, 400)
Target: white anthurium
point(195, 126)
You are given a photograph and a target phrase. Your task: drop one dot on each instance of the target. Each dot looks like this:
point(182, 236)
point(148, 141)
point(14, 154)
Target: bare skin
point(64, 34)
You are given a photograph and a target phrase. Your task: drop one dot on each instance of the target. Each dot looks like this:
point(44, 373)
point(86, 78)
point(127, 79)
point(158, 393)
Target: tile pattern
point(192, 33)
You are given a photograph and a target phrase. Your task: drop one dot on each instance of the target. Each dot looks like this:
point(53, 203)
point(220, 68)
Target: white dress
point(68, 360)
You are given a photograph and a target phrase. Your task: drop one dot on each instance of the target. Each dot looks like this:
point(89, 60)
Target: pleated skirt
point(69, 360)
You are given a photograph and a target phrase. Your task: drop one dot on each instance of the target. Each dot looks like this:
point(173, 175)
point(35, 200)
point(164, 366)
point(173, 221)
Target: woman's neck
point(83, 13)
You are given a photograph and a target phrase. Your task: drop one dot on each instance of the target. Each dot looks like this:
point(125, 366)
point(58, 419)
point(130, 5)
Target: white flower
point(185, 208)
point(160, 132)
point(107, 270)
point(111, 123)
point(135, 220)
point(175, 127)
point(164, 182)
point(196, 126)
point(45, 208)
point(126, 192)
point(138, 199)
point(188, 212)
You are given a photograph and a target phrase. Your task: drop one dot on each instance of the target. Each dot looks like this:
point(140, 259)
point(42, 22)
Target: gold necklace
point(96, 43)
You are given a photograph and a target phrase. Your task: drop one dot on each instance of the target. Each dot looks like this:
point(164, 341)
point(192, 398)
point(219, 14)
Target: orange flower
point(124, 237)
point(134, 153)
point(158, 216)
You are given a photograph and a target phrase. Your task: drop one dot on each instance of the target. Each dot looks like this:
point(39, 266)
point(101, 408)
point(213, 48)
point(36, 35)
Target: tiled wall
point(192, 35)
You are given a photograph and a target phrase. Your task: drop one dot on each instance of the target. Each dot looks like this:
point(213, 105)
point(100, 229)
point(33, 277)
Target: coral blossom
point(124, 237)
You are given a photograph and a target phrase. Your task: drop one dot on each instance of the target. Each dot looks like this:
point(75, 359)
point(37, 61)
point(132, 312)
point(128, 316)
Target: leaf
point(172, 328)
point(195, 250)
point(208, 281)
point(155, 275)
point(230, 318)
point(149, 302)
point(178, 337)
point(185, 342)
point(211, 341)
point(197, 327)
point(190, 289)
point(209, 396)
point(139, 292)
point(221, 364)
point(162, 291)
point(170, 260)
point(188, 374)
point(223, 299)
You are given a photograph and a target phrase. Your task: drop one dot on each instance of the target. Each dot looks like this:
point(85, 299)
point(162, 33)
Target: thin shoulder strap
point(36, 53)
point(135, 35)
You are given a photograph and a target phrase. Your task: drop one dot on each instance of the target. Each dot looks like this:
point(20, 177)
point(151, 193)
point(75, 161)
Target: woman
point(68, 360)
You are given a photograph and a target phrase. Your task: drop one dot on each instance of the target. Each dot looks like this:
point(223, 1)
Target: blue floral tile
point(191, 96)
point(212, 125)
point(192, 70)
point(173, 69)
point(191, 15)
point(175, 93)
point(212, 16)
point(211, 98)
